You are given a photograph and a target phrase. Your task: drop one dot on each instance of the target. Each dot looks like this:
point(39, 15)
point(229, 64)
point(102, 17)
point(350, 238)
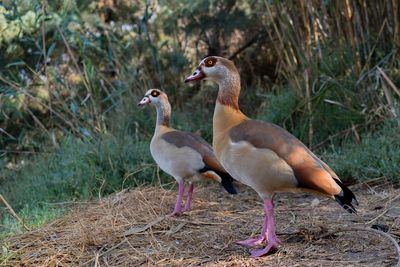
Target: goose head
point(215, 69)
point(154, 97)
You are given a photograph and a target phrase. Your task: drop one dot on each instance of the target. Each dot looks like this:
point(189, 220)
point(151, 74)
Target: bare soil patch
point(131, 228)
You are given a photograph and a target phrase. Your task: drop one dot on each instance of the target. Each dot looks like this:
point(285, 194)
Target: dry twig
point(13, 213)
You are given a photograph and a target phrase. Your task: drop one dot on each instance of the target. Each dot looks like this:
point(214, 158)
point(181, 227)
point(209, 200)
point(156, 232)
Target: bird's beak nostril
point(197, 75)
point(144, 101)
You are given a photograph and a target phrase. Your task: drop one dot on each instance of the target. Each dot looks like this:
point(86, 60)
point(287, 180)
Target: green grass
point(32, 217)
point(376, 156)
point(78, 170)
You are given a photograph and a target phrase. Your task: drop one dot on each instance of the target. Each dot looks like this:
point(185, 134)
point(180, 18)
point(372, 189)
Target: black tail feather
point(346, 198)
point(226, 179)
point(227, 182)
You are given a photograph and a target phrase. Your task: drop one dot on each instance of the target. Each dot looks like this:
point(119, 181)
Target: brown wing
point(311, 172)
point(181, 139)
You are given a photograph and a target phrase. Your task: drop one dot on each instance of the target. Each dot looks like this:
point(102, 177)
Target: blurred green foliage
point(376, 156)
point(72, 72)
point(79, 170)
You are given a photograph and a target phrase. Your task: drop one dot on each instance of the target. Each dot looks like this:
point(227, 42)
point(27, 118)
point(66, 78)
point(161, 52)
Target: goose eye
point(210, 62)
point(155, 93)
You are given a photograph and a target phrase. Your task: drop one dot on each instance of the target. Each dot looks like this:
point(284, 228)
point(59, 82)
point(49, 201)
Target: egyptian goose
point(263, 155)
point(182, 155)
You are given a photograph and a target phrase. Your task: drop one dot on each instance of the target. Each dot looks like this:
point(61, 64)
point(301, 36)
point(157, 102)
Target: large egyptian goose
point(182, 155)
point(263, 155)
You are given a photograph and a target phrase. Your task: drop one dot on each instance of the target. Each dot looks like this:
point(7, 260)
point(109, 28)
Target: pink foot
point(185, 209)
point(177, 208)
point(175, 213)
point(267, 233)
point(256, 241)
point(189, 198)
point(251, 242)
point(261, 252)
point(277, 241)
point(271, 237)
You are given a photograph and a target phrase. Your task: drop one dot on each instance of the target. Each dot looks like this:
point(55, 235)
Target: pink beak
point(144, 101)
point(197, 75)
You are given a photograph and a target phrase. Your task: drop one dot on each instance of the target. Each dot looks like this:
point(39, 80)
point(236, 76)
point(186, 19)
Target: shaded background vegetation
point(72, 72)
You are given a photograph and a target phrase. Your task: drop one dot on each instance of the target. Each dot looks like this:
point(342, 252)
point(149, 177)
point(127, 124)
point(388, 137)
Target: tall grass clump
point(334, 55)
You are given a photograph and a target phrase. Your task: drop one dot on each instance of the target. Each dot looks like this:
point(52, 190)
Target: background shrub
point(72, 72)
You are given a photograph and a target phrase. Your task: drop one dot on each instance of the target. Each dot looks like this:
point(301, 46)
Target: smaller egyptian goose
point(182, 155)
point(262, 155)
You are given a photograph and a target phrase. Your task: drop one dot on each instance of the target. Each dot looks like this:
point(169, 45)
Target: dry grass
point(130, 229)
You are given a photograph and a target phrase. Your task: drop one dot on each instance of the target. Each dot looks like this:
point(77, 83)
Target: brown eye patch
point(155, 93)
point(209, 62)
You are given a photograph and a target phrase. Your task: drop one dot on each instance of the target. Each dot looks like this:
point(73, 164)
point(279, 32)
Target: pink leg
point(256, 241)
point(189, 198)
point(273, 241)
point(263, 236)
point(178, 208)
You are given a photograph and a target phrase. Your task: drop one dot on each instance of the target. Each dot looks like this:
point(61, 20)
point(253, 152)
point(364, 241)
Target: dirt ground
point(131, 228)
